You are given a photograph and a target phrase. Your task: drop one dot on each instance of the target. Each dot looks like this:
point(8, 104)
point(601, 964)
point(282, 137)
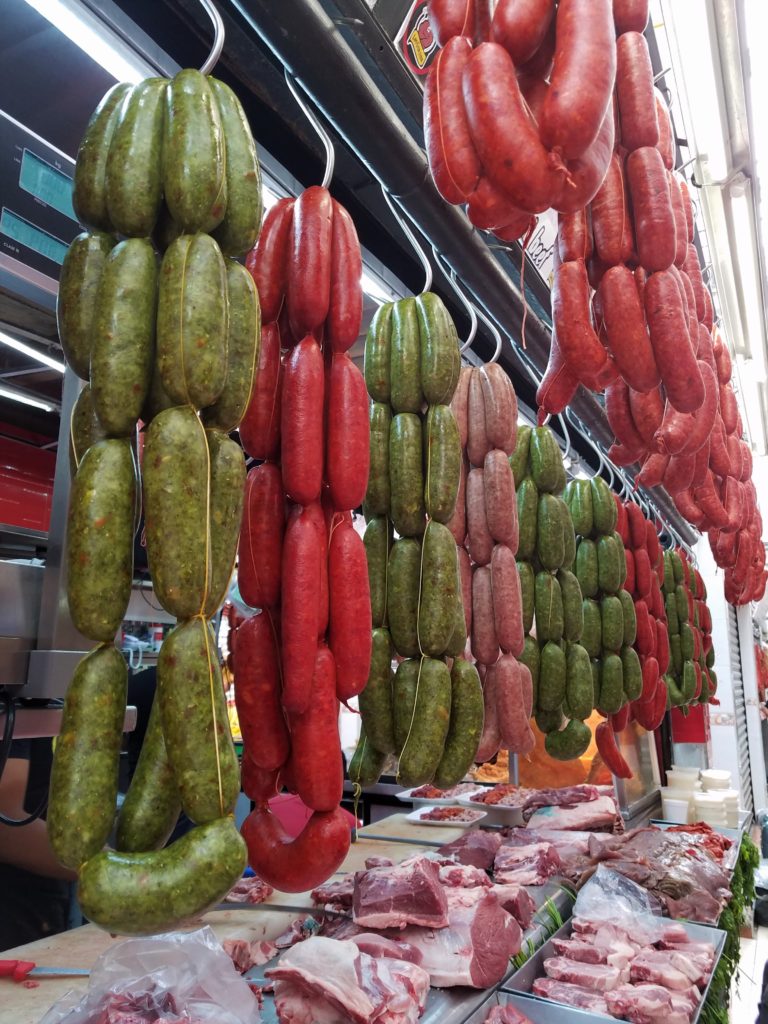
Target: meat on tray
point(591, 814)
point(249, 890)
point(461, 815)
point(597, 977)
point(651, 1004)
point(571, 995)
point(507, 1014)
point(526, 865)
point(568, 796)
point(331, 982)
point(673, 970)
point(475, 848)
point(615, 954)
point(504, 794)
point(463, 876)
point(518, 901)
point(336, 894)
point(430, 792)
point(392, 897)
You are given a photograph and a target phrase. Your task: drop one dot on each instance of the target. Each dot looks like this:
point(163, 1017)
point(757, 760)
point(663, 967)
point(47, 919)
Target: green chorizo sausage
point(157, 400)
point(587, 567)
point(604, 513)
point(549, 721)
point(622, 557)
point(194, 177)
point(549, 608)
point(403, 578)
point(681, 599)
point(569, 743)
point(134, 180)
point(550, 546)
point(611, 685)
point(195, 724)
point(152, 805)
point(527, 515)
point(573, 613)
point(579, 689)
point(632, 673)
point(239, 230)
point(166, 229)
point(378, 541)
point(442, 456)
point(124, 335)
point(630, 617)
point(546, 461)
point(552, 677)
point(518, 460)
point(403, 697)
point(227, 483)
point(378, 494)
point(438, 344)
point(580, 504)
point(100, 530)
point(84, 428)
point(89, 195)
point(612, 617)
point(673, 622)
point(531, 656)
point(76, 300)
point(569, 534)
point(243, 345)
point(144, 893)
point(367, 762)
point(176, 480)
point(375, 701)
point(440, 590)
point(609, 578)
point(592, 632)
point(192, 321)
point(406, 476)
point(528, 591)
point(405, 372)
point(425, 741)
point(465, 727)
point(83, 793)
point(376, 360)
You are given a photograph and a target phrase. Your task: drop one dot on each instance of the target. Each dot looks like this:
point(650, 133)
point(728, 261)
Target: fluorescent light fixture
point(25, 399)
point(375, 289)
point(750, 293)
point(94, 38)
point(33, 353)
point(699, 55)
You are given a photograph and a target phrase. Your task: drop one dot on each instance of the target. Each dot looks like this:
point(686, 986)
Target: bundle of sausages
point(517, 107)
point(176, 348)
point(301, 562)
point(485, 527)
point(428, 715)
point(691, 678)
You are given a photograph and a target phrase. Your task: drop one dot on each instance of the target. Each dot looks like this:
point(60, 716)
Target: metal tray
point(734, 834)
point(523, 979)
point(538, 1011)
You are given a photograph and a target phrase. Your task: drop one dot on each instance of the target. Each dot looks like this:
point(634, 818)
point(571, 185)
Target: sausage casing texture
point(480, 540)
point(378, 493)
point(403, 580)
point(309, 261)
point(267, 263)
point(176, 473)
point(195, 723)
point(257, 693)
point(514, 727)
point(301, 863)
point(630, 15)
point(192, 320)
point(76, 299)
point(405, 358)
point(301, 422)
point(89, 194)
point(260, 426)
point(376, 361)
point(261, 537)
point(558, 385)
point(628, 339)
point(465, 727)
point(611, 220)
point(477, 444)
point(84, 429)
point(345, 309)
point(675, 359)
point(237, 232)
point(100, 533)
point(507, 600)
point(347, 454)
point(123, 335)
point(576, 336)
point(485, 643)
point(300, 608)
point(83, 795)
point(521, 27)
point(152, 804)
point(315, 746)
point(440, 362)
point(634, 90)
point(225, 510)
point(443, 463)
point(144, 893)
point(439, 591)
point(350, 610)
point(425, 741)
point(375, 701)
point(406, 475)
point(652, 207)
point(500, 499)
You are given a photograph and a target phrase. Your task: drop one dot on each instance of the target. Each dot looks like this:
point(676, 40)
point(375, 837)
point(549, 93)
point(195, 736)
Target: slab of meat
point(615, 955)
point(324, 981)
point(703, 951)
point(463, 876)
point(593, 814)
point(376, 945)
point(249, 890)
point(339, 893)
point(571, 995)
point(568, 796)
point(526, 865)
point(518, 901)
point(378, 862)
point(650, 1004)
point(393, 897)
point(475, 947)
point(696, 906)
point(507, 1014)
point(660, 967)
point(247, 953)
point(597, 977)
point(475, 848)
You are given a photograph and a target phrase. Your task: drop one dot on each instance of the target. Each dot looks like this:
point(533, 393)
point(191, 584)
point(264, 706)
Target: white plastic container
point(714, 778)
point(681, 769)
point(676, 811)
point(685, 781)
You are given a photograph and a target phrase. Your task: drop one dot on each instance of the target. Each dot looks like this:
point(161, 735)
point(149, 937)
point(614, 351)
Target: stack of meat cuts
point(607, 969)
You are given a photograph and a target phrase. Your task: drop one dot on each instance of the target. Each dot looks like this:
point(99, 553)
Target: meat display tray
point(538, 1011)
point(523, 979)
point(734, 834)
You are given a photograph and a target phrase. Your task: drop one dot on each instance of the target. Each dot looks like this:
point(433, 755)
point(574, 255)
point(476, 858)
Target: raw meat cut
point(246, 953)
point(379, 862)
point(393, 897)
point(526, 865)
point(657, 967)
point(474, 847)
point(463, 876)
point(616, 954)
point(508, 1014)
point(518, 901)
point(598, 977)
point(249, 890)
point(379, 945)
point(338, 894)
point(651, 1004)
point(571, 995)
point(475, 947)
point(324, 981)
point(568, 796)
point(594, 814)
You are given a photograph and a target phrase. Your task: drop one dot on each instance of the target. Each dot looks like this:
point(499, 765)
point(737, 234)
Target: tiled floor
point(749, 978)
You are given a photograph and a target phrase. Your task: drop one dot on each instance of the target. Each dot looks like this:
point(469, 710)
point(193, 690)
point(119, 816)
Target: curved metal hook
point(495, 332)
point(218, 37)
point(566, 435)
point(450, 275)
point(330, 154)
point(423, 258)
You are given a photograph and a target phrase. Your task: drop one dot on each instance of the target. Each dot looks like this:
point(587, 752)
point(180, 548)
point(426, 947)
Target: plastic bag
point(610, 898)
point(176, 978)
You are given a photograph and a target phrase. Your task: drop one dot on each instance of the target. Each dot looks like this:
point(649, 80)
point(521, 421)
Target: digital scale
point(37, 222)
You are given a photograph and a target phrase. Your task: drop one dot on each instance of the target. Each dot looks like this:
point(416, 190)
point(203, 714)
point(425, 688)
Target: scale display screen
point(46, 183)
point(26, 233)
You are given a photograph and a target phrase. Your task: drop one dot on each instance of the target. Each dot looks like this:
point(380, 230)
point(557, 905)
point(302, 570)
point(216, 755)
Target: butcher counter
point(392, 837)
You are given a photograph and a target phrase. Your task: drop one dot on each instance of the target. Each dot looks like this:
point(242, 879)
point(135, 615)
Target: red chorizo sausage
point(514, 726)
point(300, 610)
point(574, 238)
point(261, 537)
point(267, 262)
point(349, 632)
point(315, 746)
point(576, 336)
point(681, 227)
point(630, 15)
point(540, 64)
point(620, 417)
point(708, 320)
point(485, 643)
point(500, 501)
point(309, 261)
point(558, 385)
point(666, 144)
point(490, 210)
point(652, 206)
point(678, 475)
point(301, 422)
point(692, 268)
point(319, 519)
point(453, 161)
point(634, 91)
point(653, 470)
point(620, 455)
point(626, 330)
point(605, 740)
point(520, 26)
point(260, 426)
point(709, 502)
point(729, 409)
point(300, 864)
point(259, 784)
point(505, 134)
point(718, 452)
point(687, 432)
point(507, 600)
point(257, 693)
point(587, 172)
point(347, 456)
point(345, 310)
point(582, 77)
point(450, 18)
point(637, 522)
point(688, 207)
point(676, 361)
point(647, 412)
point(611, 222)
point(735, 457)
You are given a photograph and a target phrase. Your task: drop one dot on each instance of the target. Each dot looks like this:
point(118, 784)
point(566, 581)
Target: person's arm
point(27, 847)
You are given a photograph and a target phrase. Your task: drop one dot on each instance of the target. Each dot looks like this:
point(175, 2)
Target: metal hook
point(218, 37)
point(423, 258)
point(450, 275)
point(330, 154)
point(566, 435)
point(495, 332)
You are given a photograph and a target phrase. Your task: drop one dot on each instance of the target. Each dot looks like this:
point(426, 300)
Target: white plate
point(425, 801)
point(415, 819)
point(498, 814)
